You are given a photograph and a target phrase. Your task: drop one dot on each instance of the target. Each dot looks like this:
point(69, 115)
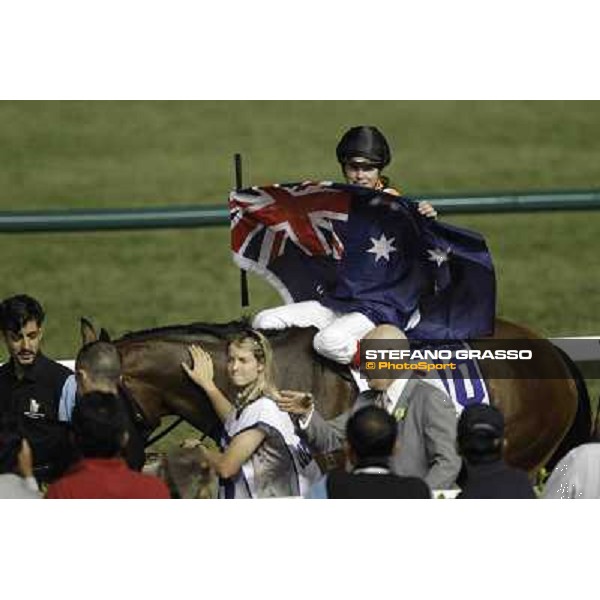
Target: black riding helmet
point(364, 141)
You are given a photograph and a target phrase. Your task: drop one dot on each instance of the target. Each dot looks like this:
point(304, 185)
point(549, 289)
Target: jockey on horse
point(363, 153)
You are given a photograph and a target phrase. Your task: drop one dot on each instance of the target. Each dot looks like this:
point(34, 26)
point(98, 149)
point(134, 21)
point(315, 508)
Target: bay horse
point(539, 412)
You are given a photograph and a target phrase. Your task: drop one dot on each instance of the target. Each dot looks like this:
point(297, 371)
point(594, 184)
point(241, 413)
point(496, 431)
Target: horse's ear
point(88, 333)
point(104, 335)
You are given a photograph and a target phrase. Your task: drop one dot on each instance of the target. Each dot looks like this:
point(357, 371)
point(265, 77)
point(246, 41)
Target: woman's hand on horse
point(201, 372)
point(295, 403)
point(426, 209)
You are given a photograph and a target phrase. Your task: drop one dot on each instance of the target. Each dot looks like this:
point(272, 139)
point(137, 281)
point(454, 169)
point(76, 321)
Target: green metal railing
point(218, 215)
point(517, 202)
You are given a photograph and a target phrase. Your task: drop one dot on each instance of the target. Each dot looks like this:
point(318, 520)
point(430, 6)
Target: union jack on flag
point(275, 229)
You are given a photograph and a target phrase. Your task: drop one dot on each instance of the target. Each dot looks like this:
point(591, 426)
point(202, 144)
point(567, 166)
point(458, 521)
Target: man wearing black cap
point(363, 153)
point(480, 438)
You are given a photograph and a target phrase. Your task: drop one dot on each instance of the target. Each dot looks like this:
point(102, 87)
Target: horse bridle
point(143, 425)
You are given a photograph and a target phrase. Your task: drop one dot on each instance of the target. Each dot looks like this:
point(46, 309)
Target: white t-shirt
point(282, 465)
point(577, 475)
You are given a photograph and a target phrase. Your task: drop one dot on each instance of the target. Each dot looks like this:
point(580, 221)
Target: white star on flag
point(382, 247)
point(438, 256)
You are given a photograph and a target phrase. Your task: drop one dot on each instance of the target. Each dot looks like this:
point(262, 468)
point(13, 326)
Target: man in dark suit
point(424, 413)
point(371, 435)
point(480, 442)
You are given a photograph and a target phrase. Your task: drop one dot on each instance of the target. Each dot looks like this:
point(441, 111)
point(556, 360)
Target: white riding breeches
point(338, 332)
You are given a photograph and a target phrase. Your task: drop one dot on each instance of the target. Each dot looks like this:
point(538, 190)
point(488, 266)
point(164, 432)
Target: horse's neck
point(507, 330)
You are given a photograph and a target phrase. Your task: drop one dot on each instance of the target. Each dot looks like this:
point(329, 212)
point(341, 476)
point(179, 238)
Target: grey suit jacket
point(426, 433)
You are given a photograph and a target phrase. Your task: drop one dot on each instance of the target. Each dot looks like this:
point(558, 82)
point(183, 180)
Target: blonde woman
point(261, 454)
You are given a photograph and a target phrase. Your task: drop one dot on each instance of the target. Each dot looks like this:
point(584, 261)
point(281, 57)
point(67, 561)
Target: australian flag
point(357, 249)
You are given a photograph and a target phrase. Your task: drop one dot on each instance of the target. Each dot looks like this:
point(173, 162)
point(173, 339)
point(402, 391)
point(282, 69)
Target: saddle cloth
point(465, 385)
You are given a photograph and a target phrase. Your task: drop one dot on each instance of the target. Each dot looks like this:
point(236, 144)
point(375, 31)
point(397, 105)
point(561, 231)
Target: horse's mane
point(218, 330)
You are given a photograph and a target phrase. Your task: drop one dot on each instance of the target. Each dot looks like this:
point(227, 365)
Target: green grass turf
point(57, 155)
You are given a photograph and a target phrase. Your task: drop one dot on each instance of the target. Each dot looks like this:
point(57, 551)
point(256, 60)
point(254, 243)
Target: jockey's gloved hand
point(426, 209)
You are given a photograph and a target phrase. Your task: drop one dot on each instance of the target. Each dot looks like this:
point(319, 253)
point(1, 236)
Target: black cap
point(364, 141)
point(481, 420)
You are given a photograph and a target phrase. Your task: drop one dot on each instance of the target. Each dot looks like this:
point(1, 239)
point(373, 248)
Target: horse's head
point(153, 378)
